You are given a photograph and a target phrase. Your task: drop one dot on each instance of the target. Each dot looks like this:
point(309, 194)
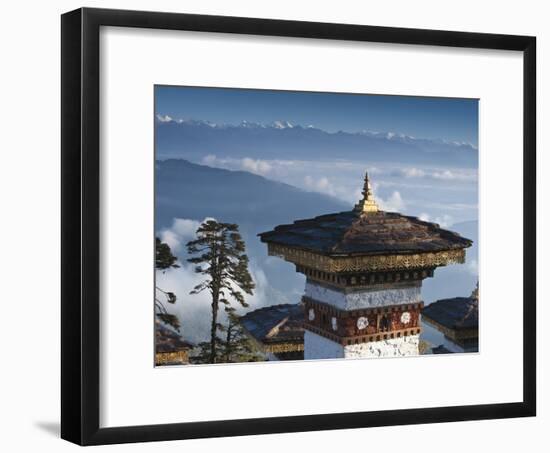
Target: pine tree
point(232, 345)
point(219, 253)
point(164, 259)
point(235, 345)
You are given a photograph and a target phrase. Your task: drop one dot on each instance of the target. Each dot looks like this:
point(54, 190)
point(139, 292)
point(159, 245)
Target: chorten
point(458, 320)
point(364, 270)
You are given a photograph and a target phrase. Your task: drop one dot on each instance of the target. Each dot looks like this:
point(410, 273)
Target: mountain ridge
point(186, 190)
point(284, 124)
point(192, 139)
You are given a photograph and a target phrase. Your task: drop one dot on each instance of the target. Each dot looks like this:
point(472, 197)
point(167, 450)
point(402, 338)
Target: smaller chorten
point(458, 320)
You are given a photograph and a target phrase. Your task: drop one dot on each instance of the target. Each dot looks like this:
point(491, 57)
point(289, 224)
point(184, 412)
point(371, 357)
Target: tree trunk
point(228, 343)
point(214, 327)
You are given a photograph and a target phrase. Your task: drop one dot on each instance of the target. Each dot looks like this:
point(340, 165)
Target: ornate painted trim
point(171, 358)
point(366, 263)
point(365, 280)
point(277, 348)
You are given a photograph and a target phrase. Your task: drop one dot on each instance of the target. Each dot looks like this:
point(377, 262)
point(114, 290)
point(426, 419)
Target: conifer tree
point(235, 345)
point(164, 259)
point(219, 255)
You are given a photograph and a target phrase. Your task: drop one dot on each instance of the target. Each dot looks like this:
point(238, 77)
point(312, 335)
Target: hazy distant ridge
point(188, 190)
point(281, 140)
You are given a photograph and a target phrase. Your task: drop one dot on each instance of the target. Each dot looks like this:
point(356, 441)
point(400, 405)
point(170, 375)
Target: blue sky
point(422, 117)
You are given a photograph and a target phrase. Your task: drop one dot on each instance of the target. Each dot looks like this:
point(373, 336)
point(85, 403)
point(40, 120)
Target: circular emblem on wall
point(334, 322)
point(406, 317)
point(311, 314)
point(362, 323)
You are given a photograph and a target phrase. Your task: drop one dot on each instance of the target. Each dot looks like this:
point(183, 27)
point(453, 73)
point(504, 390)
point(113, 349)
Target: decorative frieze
point(278, 348)
point(366, 263)
point(366, 279)
point(349, 327)
point(172, 358)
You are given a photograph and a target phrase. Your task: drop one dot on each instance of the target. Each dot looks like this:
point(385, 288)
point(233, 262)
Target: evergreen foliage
point(219, 256)
point(164, 259)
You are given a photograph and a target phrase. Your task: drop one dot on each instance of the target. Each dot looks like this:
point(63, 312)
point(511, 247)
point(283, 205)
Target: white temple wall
point(394, 347)
point(317, 347)
point(363, 298)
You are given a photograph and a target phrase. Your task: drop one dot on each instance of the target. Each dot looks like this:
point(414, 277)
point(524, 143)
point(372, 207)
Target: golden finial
point(367, 204)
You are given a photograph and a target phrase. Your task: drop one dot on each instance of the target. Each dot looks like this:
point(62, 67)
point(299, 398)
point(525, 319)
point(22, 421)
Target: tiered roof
point(455, 314)
point(277, 328)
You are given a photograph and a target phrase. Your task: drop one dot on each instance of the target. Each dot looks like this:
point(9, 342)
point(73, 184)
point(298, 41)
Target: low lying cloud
point(472, 267)
point(164, 118)
point(407, 189)
point(410, 173)
point(257, 166)
point(464, 175)
point(444, 221)
point(321, 184)
point(181, 232)
point(450, 206)
point(393, 203)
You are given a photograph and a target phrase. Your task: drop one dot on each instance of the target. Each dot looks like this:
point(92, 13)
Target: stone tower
point(364, 270)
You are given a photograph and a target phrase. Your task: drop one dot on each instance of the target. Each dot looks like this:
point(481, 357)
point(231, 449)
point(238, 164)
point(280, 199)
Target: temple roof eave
point(456, 314)
point(382, 251)
point(367, 263)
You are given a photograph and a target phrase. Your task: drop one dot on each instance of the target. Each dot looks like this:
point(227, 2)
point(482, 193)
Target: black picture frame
point(80, 117)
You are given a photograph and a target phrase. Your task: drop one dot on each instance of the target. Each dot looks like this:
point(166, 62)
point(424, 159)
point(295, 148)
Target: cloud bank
point(181, 232)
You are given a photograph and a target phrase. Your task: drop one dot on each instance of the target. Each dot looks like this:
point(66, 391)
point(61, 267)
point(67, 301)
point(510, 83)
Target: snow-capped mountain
point(282, 125)
point(189, 138)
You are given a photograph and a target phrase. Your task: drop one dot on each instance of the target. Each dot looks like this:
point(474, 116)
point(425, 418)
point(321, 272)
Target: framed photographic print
point(274, 226)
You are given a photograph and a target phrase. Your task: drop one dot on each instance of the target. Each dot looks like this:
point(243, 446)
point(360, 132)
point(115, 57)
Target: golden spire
point(367, 204)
